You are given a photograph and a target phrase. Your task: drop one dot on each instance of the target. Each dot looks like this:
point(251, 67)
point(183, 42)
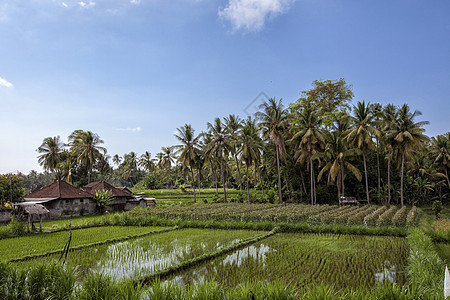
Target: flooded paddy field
point(302, 260)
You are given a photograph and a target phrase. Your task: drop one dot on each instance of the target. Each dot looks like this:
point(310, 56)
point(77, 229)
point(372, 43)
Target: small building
point(62, 200)
point(125, 189)
point(31, 213)
point(118, 203)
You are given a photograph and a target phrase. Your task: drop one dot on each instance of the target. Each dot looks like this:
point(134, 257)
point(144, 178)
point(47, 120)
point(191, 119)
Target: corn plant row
point(399, 219)
point(343, 217)
point(371, 219)
point(358, 218)
point(386, 218)
point(412, 217)
point(327, 217)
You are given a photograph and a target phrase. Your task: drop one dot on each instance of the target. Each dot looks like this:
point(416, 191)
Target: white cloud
point(64, 4)
point(135, 129)
point(4, 82)
point(251, 15)
point(86, 4)
point(136, 2)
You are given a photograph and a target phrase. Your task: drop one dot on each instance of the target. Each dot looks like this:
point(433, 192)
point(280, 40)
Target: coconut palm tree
point(232, 125)
point(377, 111)
point(117, 159)
point(362, 133)
point(274, 124)
point(406, 136)
point(188, 149)
point(146, 162)
point(336, 156)
point(51, 150)
point(308, 140)
point(250, 147)
point(167, 158)
point(440, 152)
point(219, 147)
point(85, 146)
point(389, 114)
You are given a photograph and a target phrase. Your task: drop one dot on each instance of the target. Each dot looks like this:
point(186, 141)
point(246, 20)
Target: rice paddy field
point(305, 260)
point(182, 259)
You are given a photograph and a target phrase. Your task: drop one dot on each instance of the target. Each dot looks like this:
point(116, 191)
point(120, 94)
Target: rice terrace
point(229, 250)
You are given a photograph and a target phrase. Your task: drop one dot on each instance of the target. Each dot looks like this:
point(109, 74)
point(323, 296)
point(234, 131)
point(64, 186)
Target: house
point(62, 200)
point(125, 189)
point(120, 197)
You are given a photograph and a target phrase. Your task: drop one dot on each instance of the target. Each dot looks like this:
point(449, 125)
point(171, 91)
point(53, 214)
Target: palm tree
point(308, 140)
point(377, 111)
point(405, 136)
point(117, 159)
point(232, 125)
point(209, 159)
point(274, 123)
point(51, 149)
point(187, 149)
point(85, 146)
point(250, 147)
point(362, 133)
point(219, 147)
point(167, 158)
point(146, 162)
point(336, 156)
point(440, 151)
point(389, 114)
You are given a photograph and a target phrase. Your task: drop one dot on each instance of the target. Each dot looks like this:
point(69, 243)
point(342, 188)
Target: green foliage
point(437, 208)
point(425, 267)
point(103, 198)
point(11, 188)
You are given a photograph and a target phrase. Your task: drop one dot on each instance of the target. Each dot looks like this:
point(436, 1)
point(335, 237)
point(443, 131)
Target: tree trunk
point(389, 177)
point(343, 178)
point(280, 200)
point(303, 181)
point(223, 180)
point(312, 183)
point(378, 169)
point(239, 172)
point(338, 184)
point(193, 183)
point(255, 180)
point(365, 175)
point(215, 177)
point(199, 185)
point(401, 179)
point(248, 188)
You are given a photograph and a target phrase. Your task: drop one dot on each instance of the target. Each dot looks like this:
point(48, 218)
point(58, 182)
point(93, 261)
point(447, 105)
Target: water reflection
point(387, 273)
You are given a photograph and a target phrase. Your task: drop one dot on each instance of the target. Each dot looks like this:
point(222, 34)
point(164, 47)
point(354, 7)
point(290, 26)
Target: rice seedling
point(144, 256)
point(305, 260)
point(399, 219)
point(44, 243)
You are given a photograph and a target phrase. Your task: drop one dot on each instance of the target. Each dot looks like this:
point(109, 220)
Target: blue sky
point(134, 71)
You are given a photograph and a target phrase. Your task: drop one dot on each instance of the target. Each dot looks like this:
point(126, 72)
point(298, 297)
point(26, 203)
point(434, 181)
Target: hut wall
point(70, 207)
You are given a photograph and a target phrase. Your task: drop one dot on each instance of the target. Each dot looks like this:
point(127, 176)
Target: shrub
point(437, 208)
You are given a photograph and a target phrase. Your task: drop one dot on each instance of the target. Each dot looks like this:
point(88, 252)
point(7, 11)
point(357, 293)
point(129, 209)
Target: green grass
point(307, 260)
point(15, 248)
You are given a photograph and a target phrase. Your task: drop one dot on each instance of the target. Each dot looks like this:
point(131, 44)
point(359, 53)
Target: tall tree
point(188, 149)
point(274, 123)
point(85, 145)
point(219, 147)
point(308, 140)
point(146, 162)
point(51, 150)
point(336, 157)
point(389, 114)
point(440, 151)
point(362, 133)
point(250, 147)
point(406, 136)
point(232, 125)
point(117, 159)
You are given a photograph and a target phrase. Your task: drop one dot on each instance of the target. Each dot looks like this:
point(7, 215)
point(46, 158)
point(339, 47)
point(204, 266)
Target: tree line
point(316, 149)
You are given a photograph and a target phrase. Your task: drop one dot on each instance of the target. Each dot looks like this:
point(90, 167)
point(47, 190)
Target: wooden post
point(28, 223)
point(40, 223)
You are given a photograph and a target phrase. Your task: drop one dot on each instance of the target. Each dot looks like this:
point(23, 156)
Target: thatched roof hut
point(33, 212)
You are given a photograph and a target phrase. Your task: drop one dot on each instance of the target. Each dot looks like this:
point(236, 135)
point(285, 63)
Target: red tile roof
point(103, 185)
point(58, 189)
